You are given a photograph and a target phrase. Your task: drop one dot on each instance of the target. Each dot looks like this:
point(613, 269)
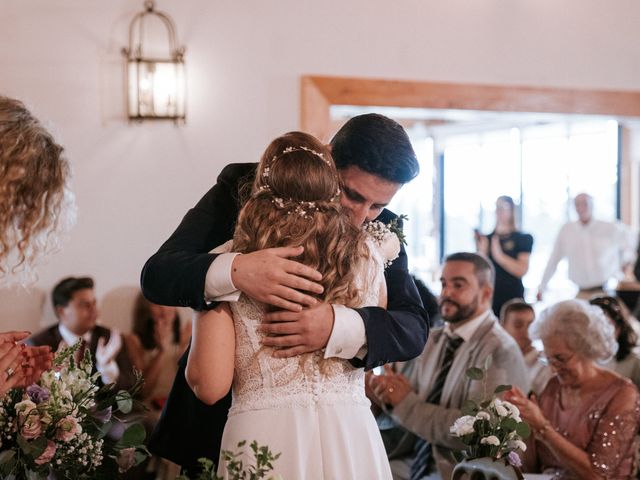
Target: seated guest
point(586, 419)
point(508, 250)
point(625, 362)
point(157, 343)
point(516, 316)
point(425, 397)
point(76, 308)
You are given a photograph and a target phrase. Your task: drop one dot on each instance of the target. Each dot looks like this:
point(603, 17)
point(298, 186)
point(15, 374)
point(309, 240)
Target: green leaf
point(6, 456)
point(133, 436)
point(509, 424)
point(502, 388)
point(475, 373)
point(34, 448)
point(469, 407)
point(125, 402)
point(523, 429)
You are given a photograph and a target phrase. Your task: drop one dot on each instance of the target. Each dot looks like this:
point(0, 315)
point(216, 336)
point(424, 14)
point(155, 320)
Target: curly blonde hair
point(33, 179)
point(295, 202)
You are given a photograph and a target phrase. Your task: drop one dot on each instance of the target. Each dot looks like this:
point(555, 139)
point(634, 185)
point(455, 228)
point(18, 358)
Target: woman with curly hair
point(35, 205)
point(586, 419)
point(311, 409)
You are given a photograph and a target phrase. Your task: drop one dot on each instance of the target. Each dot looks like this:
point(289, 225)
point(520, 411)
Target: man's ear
point(59, 310)
point(487, 294)
point(328, 146)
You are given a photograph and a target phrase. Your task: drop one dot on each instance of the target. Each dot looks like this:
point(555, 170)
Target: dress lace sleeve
point(614, 438)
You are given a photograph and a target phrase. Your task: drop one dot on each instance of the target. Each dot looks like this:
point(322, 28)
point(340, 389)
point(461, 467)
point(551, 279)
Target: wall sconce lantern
point(156, 87)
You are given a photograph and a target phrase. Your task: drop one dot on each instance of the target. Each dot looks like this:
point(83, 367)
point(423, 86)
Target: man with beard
point(425, 396)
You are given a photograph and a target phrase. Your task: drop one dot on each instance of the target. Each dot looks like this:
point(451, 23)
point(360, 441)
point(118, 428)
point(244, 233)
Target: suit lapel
point(465, 356)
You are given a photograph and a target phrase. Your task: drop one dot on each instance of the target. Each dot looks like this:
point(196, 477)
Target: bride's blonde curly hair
point(33, 193)
point(295, 202)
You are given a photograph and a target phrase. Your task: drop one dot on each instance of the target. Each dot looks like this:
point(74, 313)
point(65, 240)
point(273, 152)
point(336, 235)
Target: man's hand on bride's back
point(269, 276)
point(294, 333)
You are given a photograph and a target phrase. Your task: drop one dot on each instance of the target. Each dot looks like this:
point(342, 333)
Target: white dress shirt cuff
point(348, 338)
point(109, 372)
point(218, 285)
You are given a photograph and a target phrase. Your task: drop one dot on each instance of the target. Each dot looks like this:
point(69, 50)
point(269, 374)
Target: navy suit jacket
point(189, 429)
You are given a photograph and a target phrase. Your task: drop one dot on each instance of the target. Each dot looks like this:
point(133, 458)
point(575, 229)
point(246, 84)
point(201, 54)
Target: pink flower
point(126, 459)
point(68, 428)
point(48, 453)
point(32, 426)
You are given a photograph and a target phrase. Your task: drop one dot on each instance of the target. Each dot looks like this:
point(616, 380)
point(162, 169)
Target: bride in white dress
point(310, 409)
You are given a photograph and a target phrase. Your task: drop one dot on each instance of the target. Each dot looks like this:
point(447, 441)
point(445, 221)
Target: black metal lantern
point(156, 87)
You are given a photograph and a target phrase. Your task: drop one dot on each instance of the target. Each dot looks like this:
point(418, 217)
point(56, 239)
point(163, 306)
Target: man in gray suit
point(425, 395)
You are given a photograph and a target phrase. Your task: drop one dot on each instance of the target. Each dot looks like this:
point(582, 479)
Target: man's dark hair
point(65, 288)
point(378, 145)
point(484, 271)
point(514, 305)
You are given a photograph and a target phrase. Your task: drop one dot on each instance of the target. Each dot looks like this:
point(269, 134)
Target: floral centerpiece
point(57, 428)
point(492, 428)
point(389, 237)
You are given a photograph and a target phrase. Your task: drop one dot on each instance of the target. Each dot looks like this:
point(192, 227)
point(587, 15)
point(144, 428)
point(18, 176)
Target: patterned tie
point(422, 449)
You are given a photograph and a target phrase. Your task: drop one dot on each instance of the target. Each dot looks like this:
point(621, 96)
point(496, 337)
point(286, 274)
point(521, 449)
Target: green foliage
point(236, 466)
point(394, 226)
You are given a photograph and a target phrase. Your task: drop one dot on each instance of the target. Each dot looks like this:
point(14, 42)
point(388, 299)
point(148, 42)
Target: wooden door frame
point(319, 93)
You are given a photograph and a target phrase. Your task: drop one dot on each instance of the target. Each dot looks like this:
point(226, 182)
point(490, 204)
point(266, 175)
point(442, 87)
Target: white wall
point(244, 60)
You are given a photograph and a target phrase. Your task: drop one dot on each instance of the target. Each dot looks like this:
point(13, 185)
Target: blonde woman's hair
point(33, 194)
point(295, 202)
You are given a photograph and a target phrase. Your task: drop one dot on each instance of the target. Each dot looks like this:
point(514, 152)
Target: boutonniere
point(388, 236)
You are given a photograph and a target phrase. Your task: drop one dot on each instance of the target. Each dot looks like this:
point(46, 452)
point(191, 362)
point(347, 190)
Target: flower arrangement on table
point(492, 428)
point(389, 237)
point(57, 427)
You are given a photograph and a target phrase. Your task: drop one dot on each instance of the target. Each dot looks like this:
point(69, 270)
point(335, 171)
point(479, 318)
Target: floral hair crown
point(301, 208)
point(303, 148)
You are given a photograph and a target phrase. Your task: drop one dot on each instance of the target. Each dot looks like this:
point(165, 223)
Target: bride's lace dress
point(311, 410)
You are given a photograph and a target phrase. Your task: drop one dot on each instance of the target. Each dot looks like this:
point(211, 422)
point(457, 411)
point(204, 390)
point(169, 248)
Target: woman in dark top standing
point(508, 250)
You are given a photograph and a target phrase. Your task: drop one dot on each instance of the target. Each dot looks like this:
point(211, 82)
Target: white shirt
point(467, 329)
point(596, 252)
point(109, 372)
point(348, 337)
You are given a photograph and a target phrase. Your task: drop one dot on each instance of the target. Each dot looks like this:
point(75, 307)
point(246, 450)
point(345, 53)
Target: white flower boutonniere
point(389, 237)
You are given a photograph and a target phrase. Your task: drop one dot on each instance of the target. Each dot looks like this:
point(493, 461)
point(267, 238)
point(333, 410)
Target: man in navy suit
point(374, 158)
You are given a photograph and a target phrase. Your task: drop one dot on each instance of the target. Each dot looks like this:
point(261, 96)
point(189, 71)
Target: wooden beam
point(395, 93)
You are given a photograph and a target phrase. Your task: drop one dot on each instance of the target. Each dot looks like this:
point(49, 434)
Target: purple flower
point(514, 459)
point(37, 393)
point(102, 415)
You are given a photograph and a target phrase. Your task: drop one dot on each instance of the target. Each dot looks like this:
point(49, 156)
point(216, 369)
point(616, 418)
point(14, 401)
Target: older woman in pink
point(586, 420)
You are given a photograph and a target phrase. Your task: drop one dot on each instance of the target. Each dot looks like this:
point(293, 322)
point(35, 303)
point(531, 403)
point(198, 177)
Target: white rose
point(518, 445)
point(483, 416)
point(490, 440)
point(515, 412)
point(463, 426)
point(500, 408)
point(390, 247)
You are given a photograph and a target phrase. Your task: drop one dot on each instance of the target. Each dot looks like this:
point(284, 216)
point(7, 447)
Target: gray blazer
point(432, 422)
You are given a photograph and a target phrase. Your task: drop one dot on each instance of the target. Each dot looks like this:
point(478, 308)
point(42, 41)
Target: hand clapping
point(106, 353)
point(20, 365)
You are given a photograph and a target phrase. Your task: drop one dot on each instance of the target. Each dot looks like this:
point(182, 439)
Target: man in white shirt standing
point(595, 250)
